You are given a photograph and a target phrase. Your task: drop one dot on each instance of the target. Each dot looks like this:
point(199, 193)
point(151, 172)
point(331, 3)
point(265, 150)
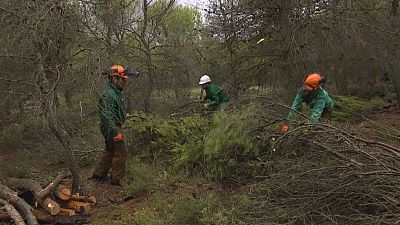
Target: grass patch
point(12, 169)
point(148, 217)
point(347, 107)
point(204, 210)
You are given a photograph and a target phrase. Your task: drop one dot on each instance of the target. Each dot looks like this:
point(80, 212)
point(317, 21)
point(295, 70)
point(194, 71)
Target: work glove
point(117, 138)
point(285, 129)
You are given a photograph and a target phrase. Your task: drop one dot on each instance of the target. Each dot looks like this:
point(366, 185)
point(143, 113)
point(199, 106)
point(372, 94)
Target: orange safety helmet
point(313, 82)
point(117, 70)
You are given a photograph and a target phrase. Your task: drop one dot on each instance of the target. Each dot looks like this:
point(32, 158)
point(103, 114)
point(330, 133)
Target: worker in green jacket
point(315, 96)
point(215, 98)
point(112, 118)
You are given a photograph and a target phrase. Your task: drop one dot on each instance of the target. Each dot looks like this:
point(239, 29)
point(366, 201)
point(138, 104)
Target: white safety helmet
point(205, 79)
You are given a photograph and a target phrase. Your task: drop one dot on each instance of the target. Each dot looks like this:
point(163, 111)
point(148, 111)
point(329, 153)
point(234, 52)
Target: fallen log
point(25, 208)
point(43, 216)
point(30, 185)
point(80, 207)
point(40, 215)
point(63, 193)
point(14, 214)
point(79, 198)
point(67, 212)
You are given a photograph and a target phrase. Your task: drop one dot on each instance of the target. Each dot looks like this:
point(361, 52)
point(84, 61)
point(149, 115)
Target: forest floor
point(151, 195)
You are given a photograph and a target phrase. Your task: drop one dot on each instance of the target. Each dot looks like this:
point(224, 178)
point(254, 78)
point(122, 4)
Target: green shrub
point(205, 210)
point(196, 144)
point(141, 179)
point(228, 140)
point(148, 218)
point(167, 139)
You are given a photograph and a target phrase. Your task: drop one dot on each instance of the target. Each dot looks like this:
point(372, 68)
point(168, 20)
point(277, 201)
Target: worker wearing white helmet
point(215, 98)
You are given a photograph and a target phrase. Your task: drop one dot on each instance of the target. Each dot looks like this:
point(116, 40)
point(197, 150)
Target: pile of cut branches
point(25, 201)
point(326, 174)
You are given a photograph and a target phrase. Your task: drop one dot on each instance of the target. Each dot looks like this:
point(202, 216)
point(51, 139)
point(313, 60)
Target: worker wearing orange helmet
point(112, 114)
point(315, 96)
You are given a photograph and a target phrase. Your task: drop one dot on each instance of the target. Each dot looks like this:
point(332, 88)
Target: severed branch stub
point(46, 191)
point(87, 199)
point(14, 214)
point(63, 193)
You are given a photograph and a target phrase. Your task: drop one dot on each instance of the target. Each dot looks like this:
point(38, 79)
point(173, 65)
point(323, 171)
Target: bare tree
point(393, 48)
point(46, 41)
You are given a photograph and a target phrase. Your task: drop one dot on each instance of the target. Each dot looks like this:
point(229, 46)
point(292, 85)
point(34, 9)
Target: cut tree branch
point(30, 185)
point(25, 208)
point(14, 214)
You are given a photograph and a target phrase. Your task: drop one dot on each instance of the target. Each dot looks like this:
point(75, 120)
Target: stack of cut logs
point(49, 204)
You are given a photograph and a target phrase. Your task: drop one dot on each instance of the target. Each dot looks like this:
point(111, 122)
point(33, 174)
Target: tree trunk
point(393, 56)
point(149, 64)
point(63, 137)
point(394, 75)
point(150, 79)
point(14, 214)
point(55, 125)
point(68, 97)
point(25, 208)
point(285, 29)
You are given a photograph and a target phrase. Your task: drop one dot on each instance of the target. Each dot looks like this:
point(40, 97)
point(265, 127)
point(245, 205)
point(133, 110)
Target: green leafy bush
point(197, 144)
point(204, 210)
point(228, 140)
point(147, 217)
point(141, 179)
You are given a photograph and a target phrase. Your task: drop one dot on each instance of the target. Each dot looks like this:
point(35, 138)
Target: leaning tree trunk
point(25, 208)
point(55, 125)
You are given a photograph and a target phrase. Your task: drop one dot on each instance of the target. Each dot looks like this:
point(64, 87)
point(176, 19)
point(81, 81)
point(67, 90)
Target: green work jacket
point(112, 112)
point(318, 100)
point(215, 96)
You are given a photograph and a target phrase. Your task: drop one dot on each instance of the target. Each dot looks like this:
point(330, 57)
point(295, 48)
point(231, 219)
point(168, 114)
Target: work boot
point(97, 178)
point(116, 183)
